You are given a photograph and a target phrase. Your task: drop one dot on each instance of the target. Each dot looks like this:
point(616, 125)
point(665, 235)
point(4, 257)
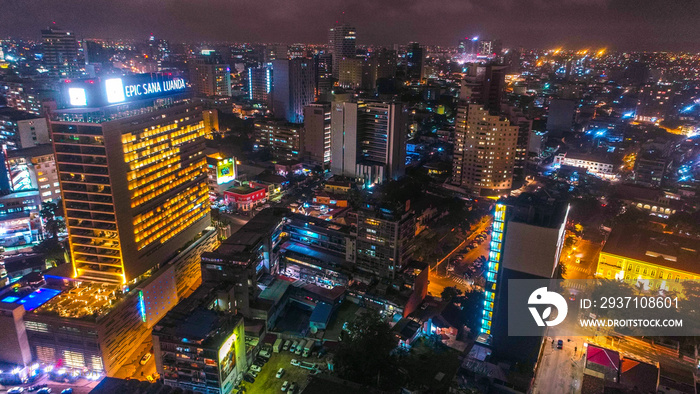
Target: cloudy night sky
point(617, 24)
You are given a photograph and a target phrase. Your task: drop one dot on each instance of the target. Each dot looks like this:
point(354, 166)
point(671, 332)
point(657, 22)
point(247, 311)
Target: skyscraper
point(210, 78)
point(130, 156)
point(485, 150)
point(316, 138)
point(342, 43)
point(260, 83)
point(292, 88)
point(368, 140)
point(414, 61)
point(484, 84)
point(60, 52)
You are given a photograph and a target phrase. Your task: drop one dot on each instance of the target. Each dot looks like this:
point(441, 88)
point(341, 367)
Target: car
point(294, 362)
point(15, 390)
point(260, 360)
point(145, 358)
point(255, 368)
point(33, 388)
point(248, 378)
point(560, 344)
point(44, 390)
point(293, 388)
point(285, 385)
point(264, 353)
point(150, 379)
point(69, 390)
point(280, 373)
point(253, 374)
point(286, 345)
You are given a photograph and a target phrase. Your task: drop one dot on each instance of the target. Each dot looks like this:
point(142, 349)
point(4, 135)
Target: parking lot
point(266, 382)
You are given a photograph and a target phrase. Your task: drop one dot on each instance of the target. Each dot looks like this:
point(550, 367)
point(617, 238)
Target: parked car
point(280, 373)
point(286, 344)
point(294, 362)
point(44, 390)
point(248, 378)
point(15, 390)
point(560, 344)
point(253, 374)
point(292, 388)
point(145, 358)
point(255, 368)
point(69, 390)
point(285, 385)
point(264, 353)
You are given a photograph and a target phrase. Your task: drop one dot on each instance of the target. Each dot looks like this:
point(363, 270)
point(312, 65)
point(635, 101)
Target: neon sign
point(142, 306)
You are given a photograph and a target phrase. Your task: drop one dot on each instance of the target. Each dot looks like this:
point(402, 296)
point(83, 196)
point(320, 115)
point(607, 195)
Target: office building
point(489, 48)
point(655, 102)
point(34, 169)
point(522, 147)
point(599, 165)
point(210, 78)
point(212, 342)
point(133, 174)
point(368, 140)
point(282, 138)
point(260, 83)
point(650, 167)
point(293, 88)
point(60, 52)
point(94, 52)
point(20, 129)
point(342, 41)
point(638, 254)
point(383, 64)
point(384, 238)
point(485, 150)
point(316, 138)
point(414, 61)
point(484, 84)
point(526, 242)
point(275, 52)
point(323, 64)
point(350, 73)
point(29, 96)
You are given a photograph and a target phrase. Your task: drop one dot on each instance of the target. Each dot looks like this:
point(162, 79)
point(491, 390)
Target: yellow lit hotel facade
point(134, 185)
point(636, 254)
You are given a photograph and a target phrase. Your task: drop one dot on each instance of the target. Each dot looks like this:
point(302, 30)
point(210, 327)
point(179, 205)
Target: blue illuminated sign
point(142, 307)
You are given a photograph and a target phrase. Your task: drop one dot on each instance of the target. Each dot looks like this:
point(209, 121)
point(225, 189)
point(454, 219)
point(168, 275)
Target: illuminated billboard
point(227, 347)
point(225, 171)
point(102, 92)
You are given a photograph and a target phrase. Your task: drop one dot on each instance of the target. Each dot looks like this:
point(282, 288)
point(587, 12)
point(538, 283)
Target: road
point(560, 370)
point(440, 277)
point(586, 253)
point(237, 221)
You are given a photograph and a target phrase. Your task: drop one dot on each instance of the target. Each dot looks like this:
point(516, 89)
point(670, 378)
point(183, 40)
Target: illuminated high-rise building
point(414, 61)
point(210, 78)
point(130, 157)
point(342, 43)
point(60, 52)
point(293, 88)
point(260, 83)
point(316, 138)
point(368, 140)
point(485, 150)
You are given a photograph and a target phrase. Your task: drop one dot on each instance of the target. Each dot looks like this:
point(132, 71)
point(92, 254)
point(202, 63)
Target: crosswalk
point(459, 279)
point(577, 268)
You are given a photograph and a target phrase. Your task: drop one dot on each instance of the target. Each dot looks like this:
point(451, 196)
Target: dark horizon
point(619, 25)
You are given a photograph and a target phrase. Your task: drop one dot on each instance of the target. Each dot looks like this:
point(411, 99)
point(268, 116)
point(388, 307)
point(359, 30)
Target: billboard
point(225, 171)
point(116, 90)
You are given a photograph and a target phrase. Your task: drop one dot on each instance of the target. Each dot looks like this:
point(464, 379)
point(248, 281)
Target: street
point(586, 253)
point(560, 370)
point(440, 277)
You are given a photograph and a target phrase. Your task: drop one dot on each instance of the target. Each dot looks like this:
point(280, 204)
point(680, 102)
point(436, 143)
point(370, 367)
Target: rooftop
point(244, 190)
point(653, 247)
point(34, 151)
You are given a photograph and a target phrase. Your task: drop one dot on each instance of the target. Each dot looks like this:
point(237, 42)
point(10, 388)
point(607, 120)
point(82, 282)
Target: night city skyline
point(646, 25)
point(358, 197)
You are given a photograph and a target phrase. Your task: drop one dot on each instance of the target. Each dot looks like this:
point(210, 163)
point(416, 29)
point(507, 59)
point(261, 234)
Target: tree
point(449, 292)
point(364, 356)
point(48, 213)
